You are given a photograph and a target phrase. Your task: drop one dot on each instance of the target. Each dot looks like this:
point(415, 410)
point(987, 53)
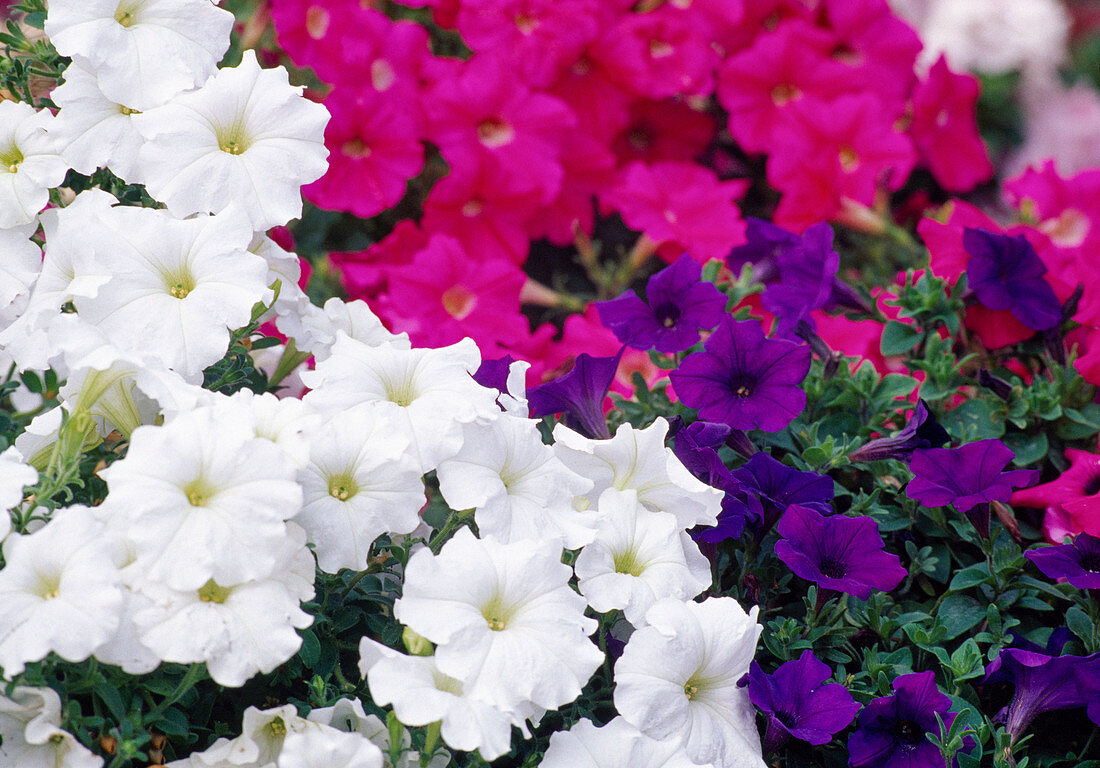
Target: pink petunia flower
point(444, 295)
point(363, 273)
point(832, 150)
point(757, 85)
point(681, 203)
point(945, 128)
point(483, 115)
point(374, 149)
point(1076, 492)
point(589, 168)
point(664, 130)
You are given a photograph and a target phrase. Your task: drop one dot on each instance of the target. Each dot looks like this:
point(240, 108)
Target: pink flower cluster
point(567, 111)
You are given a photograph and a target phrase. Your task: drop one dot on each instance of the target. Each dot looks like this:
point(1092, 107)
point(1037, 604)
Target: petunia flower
point(970, 477)
point(142, 52)
point(485, 604)
point(1043, 683)
point(921, 431)
point(31, 734)
point(246, 137)
point(807, 275)
point(29, 162)
point(60, 592)
point(515, 484)
point(421, 694)
point(679, 304)
point(892, 730)
point(617, 744)
point(799, 703)
point(360, 482)
point(1005, 272)
point(743, 379)
point(637, 558)
point(777, 486)
point(683, 204)
point(578, 395)
point(845, 554)
point(677, 680)
point(323, 747)
point(15, 475)
point(638, 460)
point(1078, 563)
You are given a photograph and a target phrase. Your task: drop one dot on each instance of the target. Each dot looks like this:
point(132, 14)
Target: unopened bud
point(417, 645)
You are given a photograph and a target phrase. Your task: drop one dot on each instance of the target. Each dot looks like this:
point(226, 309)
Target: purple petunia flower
point(1078, 563)
point(922, 431)
point(680, 304)
point(696, 447)
point(965, 476)
point(836, 552)
point(766, 242)
point(578, 395)
point(494, 373)
point(807, 273)
point(1005, 272)
point(743, 379)
point(799, 703)
point(892, 730)
point(778, 486)
point(1044, 683)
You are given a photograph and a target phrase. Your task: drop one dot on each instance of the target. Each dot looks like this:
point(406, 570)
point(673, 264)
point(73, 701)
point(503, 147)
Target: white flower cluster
point(223, 506)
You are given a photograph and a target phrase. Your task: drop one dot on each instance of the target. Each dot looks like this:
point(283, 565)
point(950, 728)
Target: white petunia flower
point(92, 130)
point(515, 485)
point(615, 745)
point(205, 498)
point(348, 715)
point(677, 680)
point(431, 391)
point(142, 52)
point(20, 262)
point(177, 287)
point(15, 474)
point(315, 330)
point(246, 137)
point(30, 733)
point(29, 163)
point(637, 459)
point(59, 591)
point(360, 482)
point(638, 558)
point(238, 630)
point(504, 618)
point(324, 747)
point(420, 695)
point(285, 267)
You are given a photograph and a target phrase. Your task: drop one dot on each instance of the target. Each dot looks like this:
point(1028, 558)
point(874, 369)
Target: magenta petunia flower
point(374, 149)
point(845, 554)
point(945, 128)
point(681, 203)
point(966, 476)
point(680, 304)
point(743, 379)
point(443, 296)
point(798, 702)
point(664, 130)
point(1077, 491)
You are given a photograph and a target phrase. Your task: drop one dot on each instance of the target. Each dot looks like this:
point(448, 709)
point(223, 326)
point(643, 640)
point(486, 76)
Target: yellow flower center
point(11, 158)
point(198, 493)
point(342, 486)
point(210, 592)
point(627, 563)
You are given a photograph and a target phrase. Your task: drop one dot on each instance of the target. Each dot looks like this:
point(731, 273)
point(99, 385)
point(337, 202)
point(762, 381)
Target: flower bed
point(640, 385)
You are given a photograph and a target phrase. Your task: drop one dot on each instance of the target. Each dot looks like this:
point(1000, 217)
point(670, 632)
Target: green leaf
point(1080, 624)
point(970, 577)
point(975, 420)
point(899, 338)
point(172, 723)
point(111, 697)
point(959, 613)
point(311, 649)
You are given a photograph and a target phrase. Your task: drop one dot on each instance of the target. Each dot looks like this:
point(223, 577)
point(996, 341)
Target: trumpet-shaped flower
point(324, 747)
point(421, 695)
point(360, 482)
point(206, 498)
point(30, 733)
point(14, 476)
point(637, 459)
point(143, 52)
point(29, 163)
point(615, 745)
point(20, 263)
point(315, 329)
point(638, 558)
point(247, 136)
point(94, 131)
point(516, 486)
point(59, 591)
point(177, 287)
point(238, 630)
point(431, 391)
point(488, 605)
point(677, 680)
point(263, 733)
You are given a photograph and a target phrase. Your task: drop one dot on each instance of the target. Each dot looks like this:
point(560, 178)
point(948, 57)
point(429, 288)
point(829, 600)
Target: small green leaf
point(959, 613)
point(1079, 624)
point(898, 338)
point(311, 649)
